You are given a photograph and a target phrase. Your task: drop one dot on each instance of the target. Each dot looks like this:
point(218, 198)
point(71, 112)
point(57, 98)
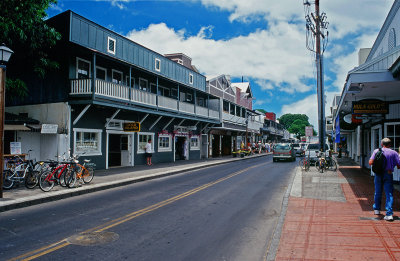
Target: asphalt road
point(226, 212)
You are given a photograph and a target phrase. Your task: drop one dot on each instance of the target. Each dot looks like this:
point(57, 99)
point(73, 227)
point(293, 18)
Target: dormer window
point(190, 78)
point(157, 65)
point(111, 45)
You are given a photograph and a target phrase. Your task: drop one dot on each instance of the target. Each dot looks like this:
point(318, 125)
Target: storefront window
point(87, 141)
point(393, 133)
point(164, 143)
point(143, 138)
point(194, 143)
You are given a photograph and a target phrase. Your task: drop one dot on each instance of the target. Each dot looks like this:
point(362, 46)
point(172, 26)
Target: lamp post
point(5, 54)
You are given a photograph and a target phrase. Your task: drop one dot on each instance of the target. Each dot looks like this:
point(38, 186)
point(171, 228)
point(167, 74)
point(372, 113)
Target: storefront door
point(376, 137)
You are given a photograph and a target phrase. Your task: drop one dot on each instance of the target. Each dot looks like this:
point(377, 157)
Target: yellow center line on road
point(63, 243)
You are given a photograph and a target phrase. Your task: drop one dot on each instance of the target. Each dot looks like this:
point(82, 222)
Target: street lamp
point(5, 54)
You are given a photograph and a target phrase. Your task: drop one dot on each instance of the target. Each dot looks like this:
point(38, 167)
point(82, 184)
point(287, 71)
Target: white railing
point(81, 86)
point(254, 125)
point(113, 90)
point(201, 111)
point(119, 91)
point(186, 107)
point(213, 114)
point(233, 118)
point(143, 97)
point(168, 103)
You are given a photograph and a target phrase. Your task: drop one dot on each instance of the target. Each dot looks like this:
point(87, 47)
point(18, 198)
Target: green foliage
point(23, 30)
point(15, 88)
point(295, 123)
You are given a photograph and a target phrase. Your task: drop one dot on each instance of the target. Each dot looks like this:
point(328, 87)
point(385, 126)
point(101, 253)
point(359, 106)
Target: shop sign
point(131, 126)
point(370, 107)
point(49, 129)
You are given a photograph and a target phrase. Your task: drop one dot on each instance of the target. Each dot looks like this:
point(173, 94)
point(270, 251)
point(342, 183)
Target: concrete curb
point(45, 197)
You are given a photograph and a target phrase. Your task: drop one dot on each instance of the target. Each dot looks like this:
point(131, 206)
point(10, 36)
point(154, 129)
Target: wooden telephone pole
point(317, 29)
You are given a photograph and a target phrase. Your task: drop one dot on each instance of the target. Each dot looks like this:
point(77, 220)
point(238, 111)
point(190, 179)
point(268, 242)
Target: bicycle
point(331, 163)
point(78, 172)
point(20, 171)
point(305, 163)
point(53, 176)
point(321, 163)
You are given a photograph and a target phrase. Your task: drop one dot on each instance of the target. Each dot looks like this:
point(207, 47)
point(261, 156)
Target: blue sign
point(337, 129)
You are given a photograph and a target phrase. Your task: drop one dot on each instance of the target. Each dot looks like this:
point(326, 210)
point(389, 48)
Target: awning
point(13, 127)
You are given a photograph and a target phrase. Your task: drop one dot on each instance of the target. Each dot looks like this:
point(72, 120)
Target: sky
point(263, 41)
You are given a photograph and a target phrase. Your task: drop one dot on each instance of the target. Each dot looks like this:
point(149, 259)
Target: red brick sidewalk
point(317, 229)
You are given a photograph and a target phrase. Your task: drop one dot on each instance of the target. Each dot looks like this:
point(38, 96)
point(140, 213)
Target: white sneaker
point(377, 212)
point(388, 218)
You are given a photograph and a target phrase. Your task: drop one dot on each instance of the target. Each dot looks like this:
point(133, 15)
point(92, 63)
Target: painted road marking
point(63, 243)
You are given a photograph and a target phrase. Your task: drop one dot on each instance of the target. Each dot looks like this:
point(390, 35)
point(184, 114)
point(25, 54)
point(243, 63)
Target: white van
point(313, 150)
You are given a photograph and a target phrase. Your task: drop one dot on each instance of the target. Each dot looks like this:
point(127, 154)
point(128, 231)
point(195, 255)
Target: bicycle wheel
point(87, 174)
point(31, 179)
point(70, 177)
point(317, 165)
point(61, 177)
point(46, 181)
point(301, 162)
point(333, 166)
point(8, 183)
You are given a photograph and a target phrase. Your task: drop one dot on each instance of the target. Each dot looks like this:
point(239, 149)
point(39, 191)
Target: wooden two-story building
point(106, 85)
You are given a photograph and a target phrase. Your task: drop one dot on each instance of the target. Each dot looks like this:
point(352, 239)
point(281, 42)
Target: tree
point(295, 123)
point(24, 30)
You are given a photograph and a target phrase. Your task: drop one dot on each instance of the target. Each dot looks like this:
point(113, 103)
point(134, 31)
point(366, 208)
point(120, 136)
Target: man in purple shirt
point(385, 180)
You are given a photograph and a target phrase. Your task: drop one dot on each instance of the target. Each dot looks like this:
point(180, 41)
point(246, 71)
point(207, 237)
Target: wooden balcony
point(121, 92)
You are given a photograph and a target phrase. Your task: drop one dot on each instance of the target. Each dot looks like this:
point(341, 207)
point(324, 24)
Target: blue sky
point(261, 40)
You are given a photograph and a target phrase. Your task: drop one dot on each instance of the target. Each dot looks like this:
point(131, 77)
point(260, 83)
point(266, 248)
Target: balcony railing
point(125, 93)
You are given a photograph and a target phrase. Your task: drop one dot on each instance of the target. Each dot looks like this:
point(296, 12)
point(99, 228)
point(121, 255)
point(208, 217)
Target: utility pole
point(317, 26)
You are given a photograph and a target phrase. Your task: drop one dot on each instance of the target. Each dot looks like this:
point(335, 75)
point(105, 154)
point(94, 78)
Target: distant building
point(270, 116)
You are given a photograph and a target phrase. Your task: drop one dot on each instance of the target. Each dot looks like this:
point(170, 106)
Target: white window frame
point(395, 136)
point(190, 78)
point(112, 76)
point(108, 45)
point(88, 153)
point(141, 150)
point(151, 87)
point(127, 81)
point(83, 60)
point(102, 69)
point(164, 149)
point(188, 97)
point(194, 147)
point(157, 68)
point(147, 84)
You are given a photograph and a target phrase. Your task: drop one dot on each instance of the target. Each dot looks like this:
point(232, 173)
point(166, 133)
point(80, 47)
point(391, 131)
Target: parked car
point(299, 148)
point(283, 151)
point(313, 150)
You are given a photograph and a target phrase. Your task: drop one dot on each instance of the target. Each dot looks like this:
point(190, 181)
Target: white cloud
point(262, 55)
point(309, 107)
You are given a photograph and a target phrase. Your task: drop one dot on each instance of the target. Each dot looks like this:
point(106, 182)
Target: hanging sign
point(131, 126)
point(370, 107)
point(49, 129)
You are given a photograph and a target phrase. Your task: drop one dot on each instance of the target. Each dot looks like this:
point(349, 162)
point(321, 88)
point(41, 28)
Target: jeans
point(384, 181)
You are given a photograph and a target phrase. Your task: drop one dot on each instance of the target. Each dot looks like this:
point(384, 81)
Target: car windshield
point(282, 147)
point(296, 145)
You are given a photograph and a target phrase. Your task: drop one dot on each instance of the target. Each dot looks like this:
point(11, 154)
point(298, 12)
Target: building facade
point(369, 105)
point(108, 85)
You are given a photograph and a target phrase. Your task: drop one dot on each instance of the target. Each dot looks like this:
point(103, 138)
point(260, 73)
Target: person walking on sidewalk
point(386, 179)
point(148, 152)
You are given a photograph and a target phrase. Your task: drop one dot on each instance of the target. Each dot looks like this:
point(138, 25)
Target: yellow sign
point(370, 107)
point(132, 126)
